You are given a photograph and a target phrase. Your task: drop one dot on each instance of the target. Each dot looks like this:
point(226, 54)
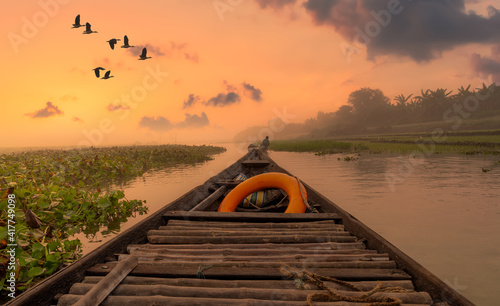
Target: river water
point(441, 210)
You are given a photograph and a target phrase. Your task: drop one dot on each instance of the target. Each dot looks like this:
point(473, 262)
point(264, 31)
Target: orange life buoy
point(265, 181)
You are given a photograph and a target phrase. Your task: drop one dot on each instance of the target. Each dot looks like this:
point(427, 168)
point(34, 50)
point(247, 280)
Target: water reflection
point(444, 214)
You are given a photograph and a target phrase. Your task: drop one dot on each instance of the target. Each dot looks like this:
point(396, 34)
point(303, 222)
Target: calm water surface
point(441, 210)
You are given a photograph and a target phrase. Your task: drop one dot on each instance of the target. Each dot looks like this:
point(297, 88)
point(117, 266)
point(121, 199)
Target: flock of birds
point(112, 42)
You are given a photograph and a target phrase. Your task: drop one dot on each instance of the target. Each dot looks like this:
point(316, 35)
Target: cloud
point(347, 82)
point(174, 50)
point(68, 98)
point(230, 87)
point(78, 120)
point(158, 124)
point(161, 124)
point(191, 100)
point(79, 70)
point(420, 29)
point(191, 57)
point(224, 99)
point(107, 64)
point(152, 50)
point(486, 66)
point(275, 4)
point(254, 93)
point(231, 96)
point(114, 108)
point(178, 46)
point(49, 111)
point(194, 121)
point(495, 52)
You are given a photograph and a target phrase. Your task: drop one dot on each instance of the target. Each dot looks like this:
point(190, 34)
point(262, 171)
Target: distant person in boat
point(265, 144)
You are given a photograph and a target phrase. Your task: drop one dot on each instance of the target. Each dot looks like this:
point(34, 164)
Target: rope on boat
point(302, 276)
point(309, 207)
point(202, 268)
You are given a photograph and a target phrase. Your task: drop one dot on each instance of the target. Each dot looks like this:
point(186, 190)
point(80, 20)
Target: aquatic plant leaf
point(68, 215)
point(3, 232)
point(104, 203)
point(37, 233)
point(22, 243)
point(35, 271)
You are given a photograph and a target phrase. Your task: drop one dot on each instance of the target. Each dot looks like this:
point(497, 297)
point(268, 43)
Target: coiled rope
point(302, 276)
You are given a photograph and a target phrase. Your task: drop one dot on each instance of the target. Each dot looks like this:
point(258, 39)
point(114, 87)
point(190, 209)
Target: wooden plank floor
point(213, 259)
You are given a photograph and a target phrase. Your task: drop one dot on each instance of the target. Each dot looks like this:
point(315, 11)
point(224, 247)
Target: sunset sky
point(220, 66)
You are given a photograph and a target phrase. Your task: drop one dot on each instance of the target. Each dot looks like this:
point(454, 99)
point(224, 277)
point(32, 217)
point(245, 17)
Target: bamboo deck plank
point(332, 246)
point(97, 293)
point(261, 258)
point(244, 252)
point(267, 228)
point(269, 284)
point(240, 293)
point(242, 272)
point(70, 299)
point(249, 239)
point(303, 224)
point(166, 263)
point(258, 232)
point(248, 217)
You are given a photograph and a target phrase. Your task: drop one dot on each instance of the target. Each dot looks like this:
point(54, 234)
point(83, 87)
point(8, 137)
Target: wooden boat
point(188, 253)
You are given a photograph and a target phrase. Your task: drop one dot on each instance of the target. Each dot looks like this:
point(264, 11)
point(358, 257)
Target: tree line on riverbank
point(370, 111)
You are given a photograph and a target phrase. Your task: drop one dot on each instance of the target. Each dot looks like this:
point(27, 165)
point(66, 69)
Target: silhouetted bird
point(107, 75)
point(112, 42)
point(96, 70)
point(88, 30)
point(125, 42)
point(144, 56)
point(77, 23)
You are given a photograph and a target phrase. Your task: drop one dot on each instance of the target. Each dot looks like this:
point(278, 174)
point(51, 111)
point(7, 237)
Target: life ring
point(265, 181)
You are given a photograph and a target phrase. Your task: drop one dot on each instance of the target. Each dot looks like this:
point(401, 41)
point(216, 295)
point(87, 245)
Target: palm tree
point(401, 108)
point(434, 103)
point(464, 91)
point(401, 99)
point(485, 95)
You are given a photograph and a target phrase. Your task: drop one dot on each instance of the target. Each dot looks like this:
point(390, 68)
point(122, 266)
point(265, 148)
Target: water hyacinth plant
point(59, 193)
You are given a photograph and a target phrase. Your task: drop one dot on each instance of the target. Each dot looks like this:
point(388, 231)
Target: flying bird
point(112, 42)
point(144, 56)
point(125, 42)
point(96, 70)
point(77, 23)
point(88, 30)
point(107, 75)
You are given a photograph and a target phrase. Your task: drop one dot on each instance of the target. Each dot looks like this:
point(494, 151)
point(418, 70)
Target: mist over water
point(445, 213)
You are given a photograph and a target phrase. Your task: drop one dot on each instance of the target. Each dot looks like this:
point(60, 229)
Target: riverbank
point(479, 142)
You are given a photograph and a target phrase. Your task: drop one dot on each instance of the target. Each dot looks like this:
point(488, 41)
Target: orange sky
point(199, 47)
